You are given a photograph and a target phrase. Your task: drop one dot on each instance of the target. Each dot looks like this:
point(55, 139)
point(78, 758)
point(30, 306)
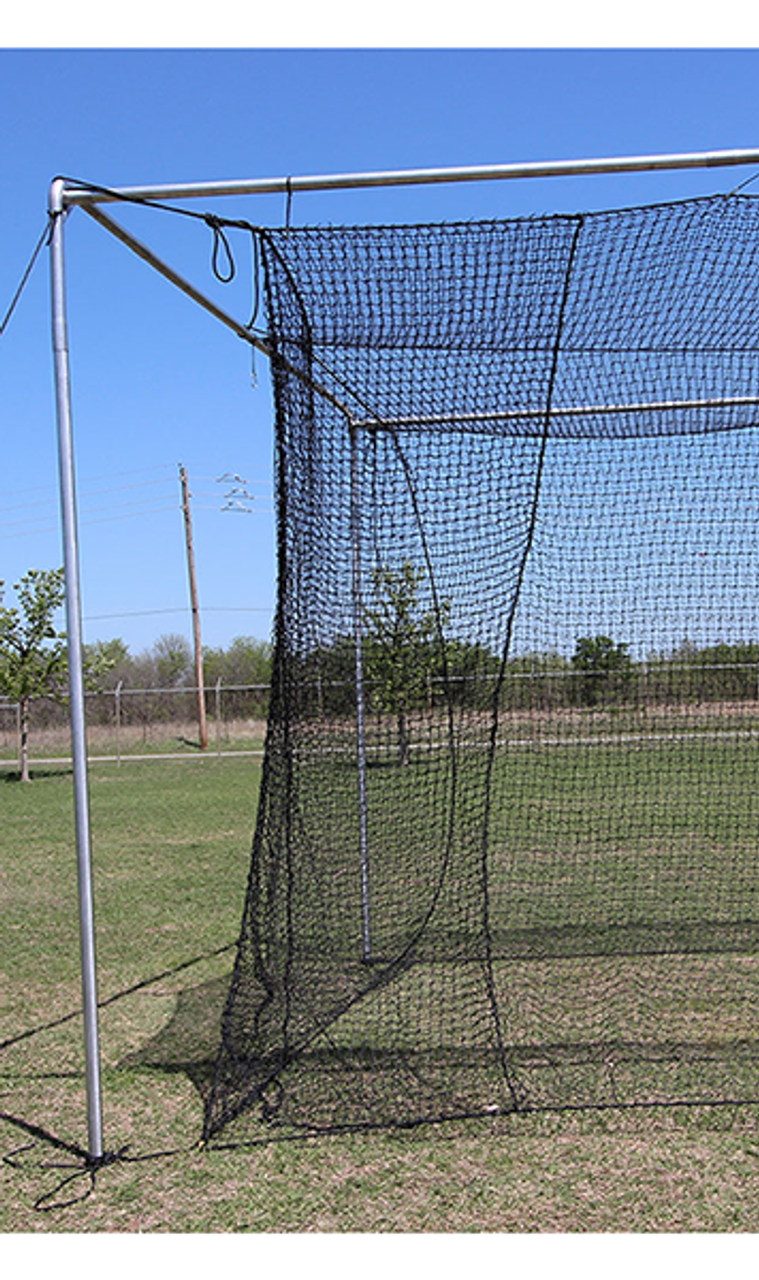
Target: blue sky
point(157, 382)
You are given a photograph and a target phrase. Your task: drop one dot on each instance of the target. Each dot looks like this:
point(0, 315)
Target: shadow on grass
point(43, 1135)
point(188, 1044)
point(36, 775)
point(128, 991)
point(364, 1086)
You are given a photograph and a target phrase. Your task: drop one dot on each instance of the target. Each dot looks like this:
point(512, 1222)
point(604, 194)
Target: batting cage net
point(506, 847)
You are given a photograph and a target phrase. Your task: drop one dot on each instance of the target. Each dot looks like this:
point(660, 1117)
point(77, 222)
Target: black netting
point(506, 851)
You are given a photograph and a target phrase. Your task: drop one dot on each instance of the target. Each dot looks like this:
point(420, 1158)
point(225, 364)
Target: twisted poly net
point(506, 847)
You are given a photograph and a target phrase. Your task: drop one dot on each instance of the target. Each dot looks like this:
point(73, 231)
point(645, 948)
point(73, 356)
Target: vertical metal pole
point(218, 718)
point(76, 679)
point(358, 628)
point(117, 699)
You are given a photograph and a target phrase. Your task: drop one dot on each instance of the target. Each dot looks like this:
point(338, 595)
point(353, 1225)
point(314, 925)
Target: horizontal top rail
point(72, 193)
point(556, 411)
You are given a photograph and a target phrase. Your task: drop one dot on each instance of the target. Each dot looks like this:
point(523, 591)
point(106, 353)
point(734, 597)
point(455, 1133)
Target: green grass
point(171, 845)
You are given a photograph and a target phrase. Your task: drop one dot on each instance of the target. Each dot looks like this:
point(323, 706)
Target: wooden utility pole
point(202, 724)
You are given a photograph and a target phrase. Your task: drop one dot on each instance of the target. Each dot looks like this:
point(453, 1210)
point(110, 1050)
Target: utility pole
point(202, 724)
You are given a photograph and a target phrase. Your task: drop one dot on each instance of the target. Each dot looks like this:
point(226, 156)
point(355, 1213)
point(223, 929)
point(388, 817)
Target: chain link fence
point(535, 698)
point(132, 721)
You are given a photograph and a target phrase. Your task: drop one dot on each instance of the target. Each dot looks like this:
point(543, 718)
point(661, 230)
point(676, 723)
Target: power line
point(88, 493)
point(54, 528)
point(51, 502)
point(108, 475)
point(149, 613)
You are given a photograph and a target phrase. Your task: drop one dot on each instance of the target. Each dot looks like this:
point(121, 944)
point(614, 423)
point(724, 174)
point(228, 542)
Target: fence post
point(218, 717)
point(117, 700)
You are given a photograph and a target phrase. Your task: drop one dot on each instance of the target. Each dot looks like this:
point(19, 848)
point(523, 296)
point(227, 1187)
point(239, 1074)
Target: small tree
point(400, 651)
point(603, 665)
point(32, 653)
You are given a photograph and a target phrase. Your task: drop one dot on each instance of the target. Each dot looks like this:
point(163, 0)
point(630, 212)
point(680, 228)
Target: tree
point(173, 658)
point(401, 653)
point(33, 654)
point(603, 665)
point(246, 661)
point(33, 660)
point(111, 656)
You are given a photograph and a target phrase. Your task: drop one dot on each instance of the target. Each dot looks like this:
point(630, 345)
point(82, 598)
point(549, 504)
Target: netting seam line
point(305, 1132)
point(518, 1103)
point(277, 357)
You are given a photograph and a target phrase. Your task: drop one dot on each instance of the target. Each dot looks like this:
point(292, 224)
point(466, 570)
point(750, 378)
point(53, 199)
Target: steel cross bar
point(557, 411)
point(79, 193)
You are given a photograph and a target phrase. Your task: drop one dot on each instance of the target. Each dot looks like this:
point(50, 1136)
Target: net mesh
point(505, 854)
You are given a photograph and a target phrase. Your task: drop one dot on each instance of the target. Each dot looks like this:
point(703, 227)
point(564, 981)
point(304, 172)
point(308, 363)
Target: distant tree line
point(169, 663)
point(409, 663)
point(156, 684)
point(599, 674)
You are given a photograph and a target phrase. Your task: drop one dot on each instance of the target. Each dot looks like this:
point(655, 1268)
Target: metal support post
point(117, 709)
point(76, 679)
point(358, 628)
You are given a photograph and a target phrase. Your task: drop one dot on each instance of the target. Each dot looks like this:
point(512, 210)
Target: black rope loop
point(84, 1168)
point(220, 242)
point(256, 272)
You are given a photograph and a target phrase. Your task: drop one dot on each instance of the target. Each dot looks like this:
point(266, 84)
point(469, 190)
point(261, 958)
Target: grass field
point(171, 850)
